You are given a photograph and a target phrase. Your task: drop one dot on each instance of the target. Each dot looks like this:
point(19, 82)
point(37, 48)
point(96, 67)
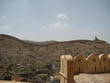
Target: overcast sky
point(63, 20)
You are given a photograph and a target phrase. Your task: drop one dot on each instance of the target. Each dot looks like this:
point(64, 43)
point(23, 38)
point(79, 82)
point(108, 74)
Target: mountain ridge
point(29, 42)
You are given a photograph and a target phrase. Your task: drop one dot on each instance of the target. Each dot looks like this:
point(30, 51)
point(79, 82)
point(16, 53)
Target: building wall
point(92, 64)
point(62, 69)
point(104, 63)
point(66, 72)
point(79, 64)
point(109, 61)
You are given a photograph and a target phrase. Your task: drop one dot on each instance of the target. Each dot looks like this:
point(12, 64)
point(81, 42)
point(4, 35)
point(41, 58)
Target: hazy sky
point(42, 20)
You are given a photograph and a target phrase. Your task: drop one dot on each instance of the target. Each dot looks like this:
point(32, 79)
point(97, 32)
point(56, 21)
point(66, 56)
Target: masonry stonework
point(104, 63)
point(67, 75)
point(109, 61)
point(79, 64)
point(93, 64)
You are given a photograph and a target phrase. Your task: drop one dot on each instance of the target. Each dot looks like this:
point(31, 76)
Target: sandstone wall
point(66, 73)
point(92, 64)
point(104, 63)
point(79, 64)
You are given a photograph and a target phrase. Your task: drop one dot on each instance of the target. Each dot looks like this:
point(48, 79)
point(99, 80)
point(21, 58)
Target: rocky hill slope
point(16, 51)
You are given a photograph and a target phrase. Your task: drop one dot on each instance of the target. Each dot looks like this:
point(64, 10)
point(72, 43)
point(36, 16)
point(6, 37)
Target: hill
point(36, 55)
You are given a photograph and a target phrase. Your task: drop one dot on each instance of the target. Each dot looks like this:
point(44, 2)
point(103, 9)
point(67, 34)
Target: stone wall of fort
point(81, 64)
point(91, 64)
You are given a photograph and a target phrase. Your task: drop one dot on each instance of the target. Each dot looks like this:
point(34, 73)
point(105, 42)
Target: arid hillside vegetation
point(14, 51)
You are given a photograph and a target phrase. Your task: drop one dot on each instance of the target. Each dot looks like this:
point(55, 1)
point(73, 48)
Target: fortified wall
point(71, 65)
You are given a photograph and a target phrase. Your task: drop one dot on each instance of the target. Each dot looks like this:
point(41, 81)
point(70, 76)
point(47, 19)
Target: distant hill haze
point(16, 51)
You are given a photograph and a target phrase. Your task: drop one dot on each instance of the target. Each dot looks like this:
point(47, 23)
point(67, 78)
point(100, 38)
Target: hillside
point(16, 51)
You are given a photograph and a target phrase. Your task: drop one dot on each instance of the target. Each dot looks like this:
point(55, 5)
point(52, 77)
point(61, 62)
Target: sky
point(61, 20)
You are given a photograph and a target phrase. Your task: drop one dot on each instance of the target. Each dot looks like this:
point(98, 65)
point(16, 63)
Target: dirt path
point(92, 78)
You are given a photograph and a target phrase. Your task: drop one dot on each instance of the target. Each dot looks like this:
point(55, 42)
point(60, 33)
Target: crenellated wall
point(104, 63)
point(80, 64)
point(92, 64)
point(71, 65)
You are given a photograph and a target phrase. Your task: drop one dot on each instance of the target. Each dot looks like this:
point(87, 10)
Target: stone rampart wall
point(71, 65)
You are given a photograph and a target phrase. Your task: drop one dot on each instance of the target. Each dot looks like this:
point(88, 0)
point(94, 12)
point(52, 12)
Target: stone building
point(93, 64)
